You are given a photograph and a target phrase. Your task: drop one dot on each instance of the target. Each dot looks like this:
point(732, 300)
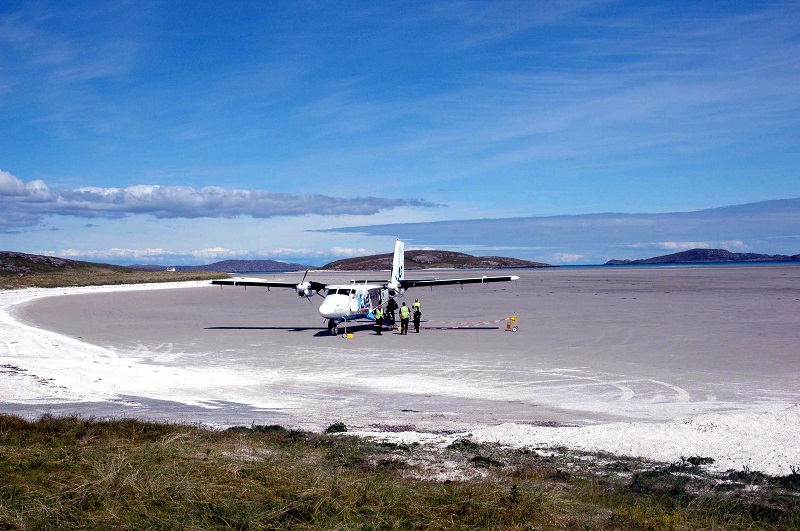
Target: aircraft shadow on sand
point(284, 328)
point(356, 328)
point(320, 331)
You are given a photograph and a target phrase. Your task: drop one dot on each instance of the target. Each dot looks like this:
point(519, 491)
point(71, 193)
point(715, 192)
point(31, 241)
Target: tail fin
point(397, 265)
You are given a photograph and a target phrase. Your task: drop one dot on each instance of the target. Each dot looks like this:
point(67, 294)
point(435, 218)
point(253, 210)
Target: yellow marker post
point(511, 324)
point(345, 335)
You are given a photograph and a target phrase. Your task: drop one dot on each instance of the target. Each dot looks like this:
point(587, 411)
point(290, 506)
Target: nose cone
point(334, 306)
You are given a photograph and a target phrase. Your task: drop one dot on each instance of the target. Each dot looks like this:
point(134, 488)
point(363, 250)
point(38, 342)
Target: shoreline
point(761, 439)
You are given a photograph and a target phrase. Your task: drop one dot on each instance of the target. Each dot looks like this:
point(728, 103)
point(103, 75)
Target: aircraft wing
point(316, 286)
point(407, 283)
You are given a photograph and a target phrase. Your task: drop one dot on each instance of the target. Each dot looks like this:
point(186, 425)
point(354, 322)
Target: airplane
point(358, 299)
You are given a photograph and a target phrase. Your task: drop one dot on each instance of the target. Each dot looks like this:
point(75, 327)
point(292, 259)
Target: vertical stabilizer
point(397, 265)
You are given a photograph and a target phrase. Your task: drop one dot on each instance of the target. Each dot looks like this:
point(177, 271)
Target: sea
point(777, 263)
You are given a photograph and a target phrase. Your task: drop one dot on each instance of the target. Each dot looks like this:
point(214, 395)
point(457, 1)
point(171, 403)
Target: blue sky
point(188, 132)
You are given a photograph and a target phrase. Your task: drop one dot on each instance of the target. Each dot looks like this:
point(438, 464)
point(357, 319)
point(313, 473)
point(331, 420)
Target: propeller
point(305, 289)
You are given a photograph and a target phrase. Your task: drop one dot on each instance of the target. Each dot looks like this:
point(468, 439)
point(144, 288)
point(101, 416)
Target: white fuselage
point(352, 301)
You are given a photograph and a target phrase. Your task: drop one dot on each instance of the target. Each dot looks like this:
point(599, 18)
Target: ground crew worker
point(417, 306)
point(391, 307)
point(405, 313)
point(378, 313)
point(417, 317)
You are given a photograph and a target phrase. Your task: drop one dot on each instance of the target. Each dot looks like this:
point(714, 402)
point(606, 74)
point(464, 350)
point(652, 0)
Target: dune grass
point(72, 473)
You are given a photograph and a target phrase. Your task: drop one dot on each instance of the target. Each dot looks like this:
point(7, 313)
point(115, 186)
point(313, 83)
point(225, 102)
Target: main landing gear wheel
point(333, 327)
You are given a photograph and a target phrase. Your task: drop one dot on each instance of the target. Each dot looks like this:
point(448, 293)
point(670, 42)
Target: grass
point(100, 276)
point(72, 473)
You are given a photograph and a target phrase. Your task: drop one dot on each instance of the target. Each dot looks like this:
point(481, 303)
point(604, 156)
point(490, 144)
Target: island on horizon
point(694, 256)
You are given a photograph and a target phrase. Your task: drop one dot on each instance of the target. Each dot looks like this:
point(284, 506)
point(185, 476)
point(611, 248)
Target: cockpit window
point(341, 291)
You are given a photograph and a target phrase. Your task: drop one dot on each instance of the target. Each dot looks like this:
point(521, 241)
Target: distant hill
point(25, 264)
point(22, 270)
point(233, 266)
point(430, 260)
point(709, 256)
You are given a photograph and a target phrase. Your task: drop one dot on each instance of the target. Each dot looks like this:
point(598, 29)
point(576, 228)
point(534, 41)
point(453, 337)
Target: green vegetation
point(336, 427)
point(71, 473)
point(20, 270)
point(100, 276)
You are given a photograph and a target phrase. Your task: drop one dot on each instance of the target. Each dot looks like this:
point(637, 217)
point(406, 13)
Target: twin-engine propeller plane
point(358, 300)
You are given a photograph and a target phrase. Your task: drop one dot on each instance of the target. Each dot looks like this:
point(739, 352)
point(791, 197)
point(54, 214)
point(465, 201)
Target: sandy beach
point(651, 362)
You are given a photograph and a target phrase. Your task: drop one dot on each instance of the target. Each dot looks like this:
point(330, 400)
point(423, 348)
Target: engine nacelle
point(394, 290)
point(304, 290)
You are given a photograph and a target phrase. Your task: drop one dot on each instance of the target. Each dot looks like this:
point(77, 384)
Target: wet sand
point(594, 346)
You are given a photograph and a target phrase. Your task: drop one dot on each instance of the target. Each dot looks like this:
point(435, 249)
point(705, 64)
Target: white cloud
point(730, 245)
point(768, 227)
point(331, 253)
point(349, 251)
point(211, 254)
point(10, 185)
point(216, 253)
point(26, 204)
point(735, 245)
point(682, 246)
point(567, 258)
point(38, 191)
point(114, 253)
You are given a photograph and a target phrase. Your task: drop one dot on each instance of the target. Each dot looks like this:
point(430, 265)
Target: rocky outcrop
point(429, 259)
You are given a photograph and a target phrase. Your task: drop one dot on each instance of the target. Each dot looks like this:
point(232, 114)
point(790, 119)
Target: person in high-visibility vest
point(416, 311)
point(405, 313)
point(378, 313)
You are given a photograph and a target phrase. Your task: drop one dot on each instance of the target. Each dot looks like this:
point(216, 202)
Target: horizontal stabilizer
point(405, 284)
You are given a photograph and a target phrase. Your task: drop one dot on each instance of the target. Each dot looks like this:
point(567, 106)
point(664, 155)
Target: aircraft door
point(355, 301)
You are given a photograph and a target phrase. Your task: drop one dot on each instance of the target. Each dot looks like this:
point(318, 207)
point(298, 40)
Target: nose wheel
point(333, 327)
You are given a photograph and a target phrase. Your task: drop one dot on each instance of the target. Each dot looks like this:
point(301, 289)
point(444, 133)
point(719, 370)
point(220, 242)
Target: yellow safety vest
point(404, 312)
